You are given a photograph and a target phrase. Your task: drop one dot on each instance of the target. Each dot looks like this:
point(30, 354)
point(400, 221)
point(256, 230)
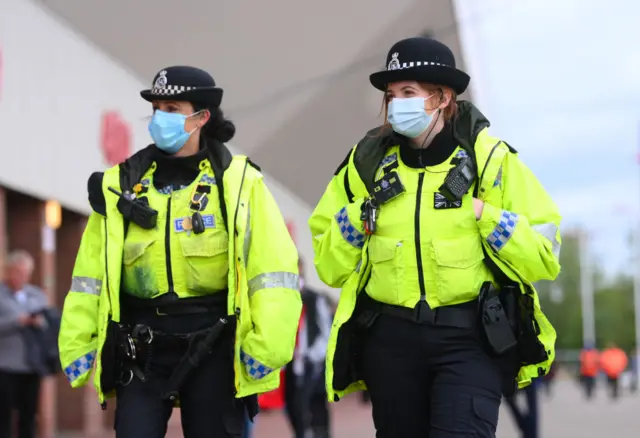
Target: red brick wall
point(22, 226)
point(67, 242)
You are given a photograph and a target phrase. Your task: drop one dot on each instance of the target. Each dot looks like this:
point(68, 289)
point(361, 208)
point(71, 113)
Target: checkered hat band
point(171, 89)
point(416, 64)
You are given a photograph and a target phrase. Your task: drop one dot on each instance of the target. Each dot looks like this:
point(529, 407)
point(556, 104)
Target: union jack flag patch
point(442, 203)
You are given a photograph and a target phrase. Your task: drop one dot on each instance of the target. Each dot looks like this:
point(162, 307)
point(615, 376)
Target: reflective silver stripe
point(358, 266)
point(247, 238)
point(86, 285)
point(271, 280)
point(550, 232)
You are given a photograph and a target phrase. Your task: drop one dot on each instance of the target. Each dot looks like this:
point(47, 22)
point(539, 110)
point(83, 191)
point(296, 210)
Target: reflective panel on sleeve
point(271, 280)
point(80, 366)
point(549, 231)
point(349, 232)
point(503, 231)
point(254, 368)
point(86, 285)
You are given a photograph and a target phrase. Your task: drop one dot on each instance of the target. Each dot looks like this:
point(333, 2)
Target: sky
point(560, 81)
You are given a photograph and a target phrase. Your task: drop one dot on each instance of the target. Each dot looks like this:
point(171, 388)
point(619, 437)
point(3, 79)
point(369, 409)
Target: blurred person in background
point(21, 308)
point(185, 287)
point(526, 419)
point(634, 358)
point(613, 362)
point(248, 426)
point(589, 369)
point(417, 221)
point(547, 381)
point(305, 395)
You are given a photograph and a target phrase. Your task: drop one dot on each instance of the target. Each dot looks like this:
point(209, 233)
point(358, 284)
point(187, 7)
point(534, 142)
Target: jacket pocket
point(386, 269)
point(459, 268)
point(206, 261)
point(138, 273)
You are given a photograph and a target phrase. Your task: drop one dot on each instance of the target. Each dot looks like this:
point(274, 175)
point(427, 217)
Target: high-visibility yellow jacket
point(519, 230)
point(262, 280)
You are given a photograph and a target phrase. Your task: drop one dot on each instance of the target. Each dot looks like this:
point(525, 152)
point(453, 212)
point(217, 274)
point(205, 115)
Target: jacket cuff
point(497, 226)
point(255, 369)
point(77, 371)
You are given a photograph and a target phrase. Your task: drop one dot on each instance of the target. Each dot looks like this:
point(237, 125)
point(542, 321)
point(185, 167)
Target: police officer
point(176, 296)
point(427, 222)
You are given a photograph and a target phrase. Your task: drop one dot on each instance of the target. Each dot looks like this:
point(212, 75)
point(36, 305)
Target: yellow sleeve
point(274, 297)
point(525, 232)
point(79, 326)
point(337, 232)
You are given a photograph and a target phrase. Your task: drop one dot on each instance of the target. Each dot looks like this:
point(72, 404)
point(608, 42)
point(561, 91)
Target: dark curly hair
point(217, 128)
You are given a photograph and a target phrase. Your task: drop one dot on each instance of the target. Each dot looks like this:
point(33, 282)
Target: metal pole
point(636, 259)
point(636, 278)
point(586, 291)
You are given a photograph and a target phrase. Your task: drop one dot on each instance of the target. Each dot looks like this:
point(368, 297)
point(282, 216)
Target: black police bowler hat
point(184, 83)
point(424, 60)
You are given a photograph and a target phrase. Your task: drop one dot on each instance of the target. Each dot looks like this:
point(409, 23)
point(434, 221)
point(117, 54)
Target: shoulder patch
point(96, 195)
point(254, 165)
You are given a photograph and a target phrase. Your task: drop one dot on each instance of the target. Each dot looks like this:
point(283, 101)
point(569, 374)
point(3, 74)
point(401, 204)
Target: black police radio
point(459, 180)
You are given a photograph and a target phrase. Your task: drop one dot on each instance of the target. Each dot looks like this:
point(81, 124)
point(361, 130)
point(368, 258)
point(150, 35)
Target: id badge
point(387, 188)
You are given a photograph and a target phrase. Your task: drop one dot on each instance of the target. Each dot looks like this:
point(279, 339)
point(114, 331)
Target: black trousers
point(614, 387)
point(20, 392)
point(588, 384)
point(429, 381)
point(207, 404)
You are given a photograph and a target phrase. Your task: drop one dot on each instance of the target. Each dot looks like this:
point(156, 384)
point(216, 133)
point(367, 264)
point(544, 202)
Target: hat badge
point(161, 82)
point(394, 64)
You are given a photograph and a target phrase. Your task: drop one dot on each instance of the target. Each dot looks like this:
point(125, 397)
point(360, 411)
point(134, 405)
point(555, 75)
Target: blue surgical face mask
point(167, 130)
point(408, 116)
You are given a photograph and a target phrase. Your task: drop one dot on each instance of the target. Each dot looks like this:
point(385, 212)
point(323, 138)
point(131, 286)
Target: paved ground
point(564, 415)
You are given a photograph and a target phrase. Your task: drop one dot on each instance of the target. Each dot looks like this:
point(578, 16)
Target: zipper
point(103, 402)
point(423, 292)
point(167, 246)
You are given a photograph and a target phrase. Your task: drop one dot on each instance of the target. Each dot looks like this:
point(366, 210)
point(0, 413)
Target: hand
point(38, 321)
point(24, 320)
point(478, 207)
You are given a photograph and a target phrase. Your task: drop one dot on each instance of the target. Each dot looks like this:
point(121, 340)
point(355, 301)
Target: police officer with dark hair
point(435, 231)
point(176, 298)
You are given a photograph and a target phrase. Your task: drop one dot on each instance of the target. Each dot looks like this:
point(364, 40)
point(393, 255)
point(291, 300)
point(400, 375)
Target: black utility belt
point(128, 350)
point(170, 304)
point(461, 315)
point(495, 313)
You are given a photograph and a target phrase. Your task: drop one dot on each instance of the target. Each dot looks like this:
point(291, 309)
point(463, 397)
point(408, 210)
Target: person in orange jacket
point(589, 368)
point(613, 362)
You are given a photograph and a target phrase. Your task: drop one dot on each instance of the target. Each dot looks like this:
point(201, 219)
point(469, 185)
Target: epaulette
point(96, 195)
point(254, 165)
point(344, 163)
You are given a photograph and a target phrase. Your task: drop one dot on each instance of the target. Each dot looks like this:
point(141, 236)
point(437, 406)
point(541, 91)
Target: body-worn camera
point(458, 180)
point(136, 210)
point(387, 188)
